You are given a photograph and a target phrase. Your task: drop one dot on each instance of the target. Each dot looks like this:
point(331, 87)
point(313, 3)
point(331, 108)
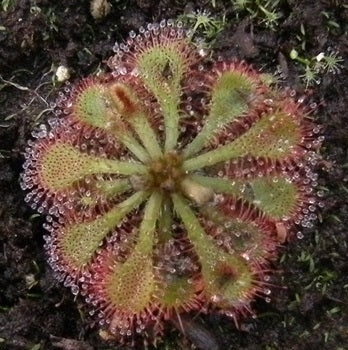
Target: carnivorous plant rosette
point(170, 183)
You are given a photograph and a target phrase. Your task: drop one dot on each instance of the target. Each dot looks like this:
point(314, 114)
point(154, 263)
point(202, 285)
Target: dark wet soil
point(309, 308)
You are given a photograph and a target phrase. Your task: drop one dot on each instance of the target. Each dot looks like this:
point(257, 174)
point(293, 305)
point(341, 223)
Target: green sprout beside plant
point(7, 5)
point(202, 23)
point(266, 12)
point(316, 66)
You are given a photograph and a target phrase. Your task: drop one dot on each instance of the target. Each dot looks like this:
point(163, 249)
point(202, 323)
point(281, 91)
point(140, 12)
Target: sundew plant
point(170, 184)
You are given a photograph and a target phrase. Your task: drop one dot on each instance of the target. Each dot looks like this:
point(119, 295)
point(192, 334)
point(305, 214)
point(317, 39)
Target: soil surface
point(309, 307)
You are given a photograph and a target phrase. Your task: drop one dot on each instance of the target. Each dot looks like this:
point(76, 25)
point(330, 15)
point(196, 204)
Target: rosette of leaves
point(169, 183)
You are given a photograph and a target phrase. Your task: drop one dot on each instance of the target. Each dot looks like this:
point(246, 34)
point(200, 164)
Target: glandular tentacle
point(73, 243)
point(235, 91)
point(228, 279)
